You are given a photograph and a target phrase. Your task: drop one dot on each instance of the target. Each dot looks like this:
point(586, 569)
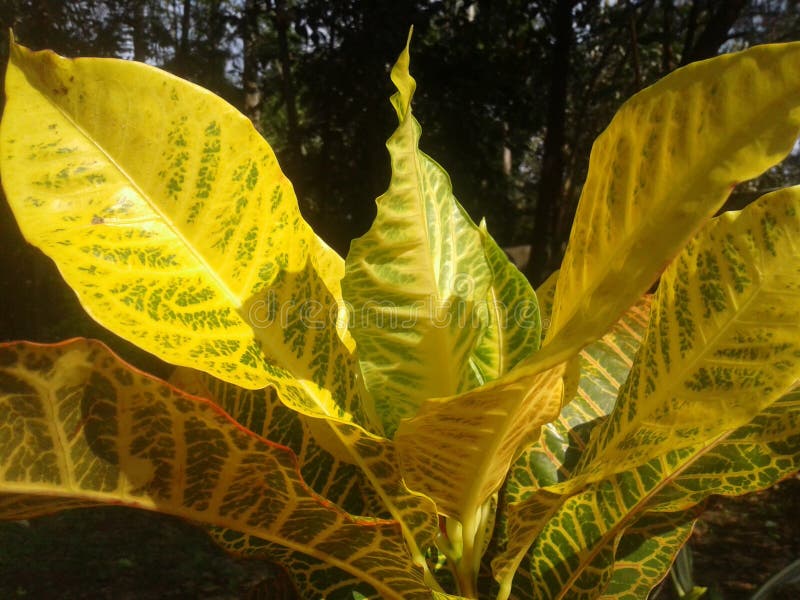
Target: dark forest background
point(511, 93)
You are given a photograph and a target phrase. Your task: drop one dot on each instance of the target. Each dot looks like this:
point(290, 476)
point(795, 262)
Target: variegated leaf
point(545, 294)
point(604, 366)
point(725, 314)
point(751, 458)
point(264, 414)
point(369, 483)
point(415, 278)
point(723, 341)
point(82, 425)
point(642, 558)
point(514, 324)
point(645, 554)
point(313, 578)
point(416, 284)
point(168, 215)
point(664, 165)
point(581, 549)
point(483, 429)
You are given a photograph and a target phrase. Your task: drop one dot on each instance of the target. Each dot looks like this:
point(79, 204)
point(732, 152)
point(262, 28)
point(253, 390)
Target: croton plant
point(411, 421)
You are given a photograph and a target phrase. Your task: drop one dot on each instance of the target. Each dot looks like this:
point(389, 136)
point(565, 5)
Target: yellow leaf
point(721, 348)
point(459, 458)
point(723, 341)
point(168, 215)
point(425, 281)
point(664, 165)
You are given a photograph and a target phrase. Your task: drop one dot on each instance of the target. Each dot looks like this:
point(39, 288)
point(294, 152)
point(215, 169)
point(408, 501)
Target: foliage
point(402, 422)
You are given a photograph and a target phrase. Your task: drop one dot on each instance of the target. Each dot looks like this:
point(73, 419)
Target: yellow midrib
point(224, 288)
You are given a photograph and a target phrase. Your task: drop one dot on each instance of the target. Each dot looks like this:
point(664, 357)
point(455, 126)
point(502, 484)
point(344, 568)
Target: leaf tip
point(16, 51)
point(403, 81)
point(12, 42)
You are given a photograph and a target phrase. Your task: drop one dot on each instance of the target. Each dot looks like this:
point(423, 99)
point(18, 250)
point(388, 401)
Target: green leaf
point(604, 366)
point(664, 165)
point(753, 457)
point(545, 294)
point(261, 412)
point(514, 330)
point(645, 553)
point(83, 428)
point(312, 578)
point(168, 215)
point(425, 282)
point(460, 459)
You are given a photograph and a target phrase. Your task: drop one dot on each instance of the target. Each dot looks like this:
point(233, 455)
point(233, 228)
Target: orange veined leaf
point(83, 428)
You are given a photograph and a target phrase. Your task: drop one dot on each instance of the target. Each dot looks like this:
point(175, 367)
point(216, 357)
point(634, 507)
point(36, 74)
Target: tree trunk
point(139, 32)
point(715, 33)
point(666, 37)
point(182, 53)
point(637, 70)
point(545, 248)
point(250, 72)
point(281, 19)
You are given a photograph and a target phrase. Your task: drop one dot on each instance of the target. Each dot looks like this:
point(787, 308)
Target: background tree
point(512, 92)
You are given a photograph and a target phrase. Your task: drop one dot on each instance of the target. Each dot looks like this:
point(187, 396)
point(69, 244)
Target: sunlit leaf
point(604, 366)
point(723, 341)
point(729, 305)
point(645, 553)
point(369, 483)
point(260, 411)
point(514, 323)
point(425, 282)
point(664, 165)
point(168, 215)
point(753, 457)
point(545, 294)
point(459, 449)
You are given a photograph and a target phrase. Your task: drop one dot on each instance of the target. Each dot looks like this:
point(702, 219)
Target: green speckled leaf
point(514, 330)
point(425, 284)
point(312, 578)
point(751, 458)
point(437, 310)
point(551, 459)
point(168, 215)
point(723, 341)
point(587, 548)
point(726, 307)
point(486, 429)
point(604, 366)
point(664, 165)
point(368, 483)
point(263, 413)
point(645, 554)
